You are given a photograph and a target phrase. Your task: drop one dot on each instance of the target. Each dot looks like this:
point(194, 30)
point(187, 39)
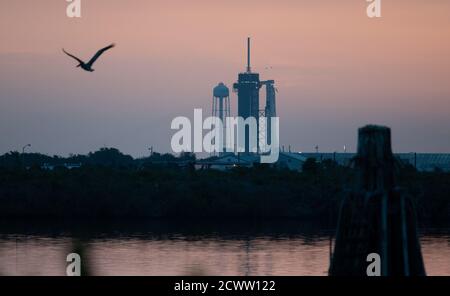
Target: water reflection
point(197, 248)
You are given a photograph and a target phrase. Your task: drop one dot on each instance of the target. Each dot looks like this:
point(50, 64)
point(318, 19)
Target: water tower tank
point(221, 91)
point(221, 107)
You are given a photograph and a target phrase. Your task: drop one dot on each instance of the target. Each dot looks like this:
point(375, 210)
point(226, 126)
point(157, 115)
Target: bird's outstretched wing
point(98, 54)
point(72, 56)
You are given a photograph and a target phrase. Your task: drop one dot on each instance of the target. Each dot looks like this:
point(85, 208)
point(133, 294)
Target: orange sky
point(335, 69)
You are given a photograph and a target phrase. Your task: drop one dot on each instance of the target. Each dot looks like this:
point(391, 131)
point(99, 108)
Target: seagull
point(88, 66)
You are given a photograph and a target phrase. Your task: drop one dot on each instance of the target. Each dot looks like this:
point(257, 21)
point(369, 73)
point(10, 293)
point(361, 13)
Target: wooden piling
point(376, 216)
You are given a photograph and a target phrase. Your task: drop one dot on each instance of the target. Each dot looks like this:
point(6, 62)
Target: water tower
point(221, 104)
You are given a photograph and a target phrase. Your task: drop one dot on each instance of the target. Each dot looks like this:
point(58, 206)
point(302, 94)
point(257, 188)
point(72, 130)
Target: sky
point(335, 69)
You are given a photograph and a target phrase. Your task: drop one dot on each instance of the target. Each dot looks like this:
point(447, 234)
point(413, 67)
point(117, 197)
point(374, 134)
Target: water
point(180, 248)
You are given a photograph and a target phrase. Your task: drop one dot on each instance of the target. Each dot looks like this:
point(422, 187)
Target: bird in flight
point(88, 66)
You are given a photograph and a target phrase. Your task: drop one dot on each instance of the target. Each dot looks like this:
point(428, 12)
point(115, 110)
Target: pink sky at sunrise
point(335, 68)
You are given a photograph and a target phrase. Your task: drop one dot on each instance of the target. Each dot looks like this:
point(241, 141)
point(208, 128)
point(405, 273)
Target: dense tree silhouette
point(111, 184)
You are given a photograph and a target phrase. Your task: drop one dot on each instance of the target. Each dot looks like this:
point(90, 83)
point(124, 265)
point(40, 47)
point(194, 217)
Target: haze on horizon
point(335, 68)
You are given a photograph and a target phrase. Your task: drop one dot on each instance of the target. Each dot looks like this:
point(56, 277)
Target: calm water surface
point(203, 248)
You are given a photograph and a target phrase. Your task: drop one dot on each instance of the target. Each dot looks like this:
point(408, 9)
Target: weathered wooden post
point(376, 216)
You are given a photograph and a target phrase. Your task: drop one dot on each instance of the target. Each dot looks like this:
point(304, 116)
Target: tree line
point(113, 185)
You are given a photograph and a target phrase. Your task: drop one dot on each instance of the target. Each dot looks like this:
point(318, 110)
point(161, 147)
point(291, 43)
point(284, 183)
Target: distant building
point(51, 167)
point(343, 159)
point(421, 161)
point(295, 160)
point(228, 161)
point(292, 161)
point(426, 161)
